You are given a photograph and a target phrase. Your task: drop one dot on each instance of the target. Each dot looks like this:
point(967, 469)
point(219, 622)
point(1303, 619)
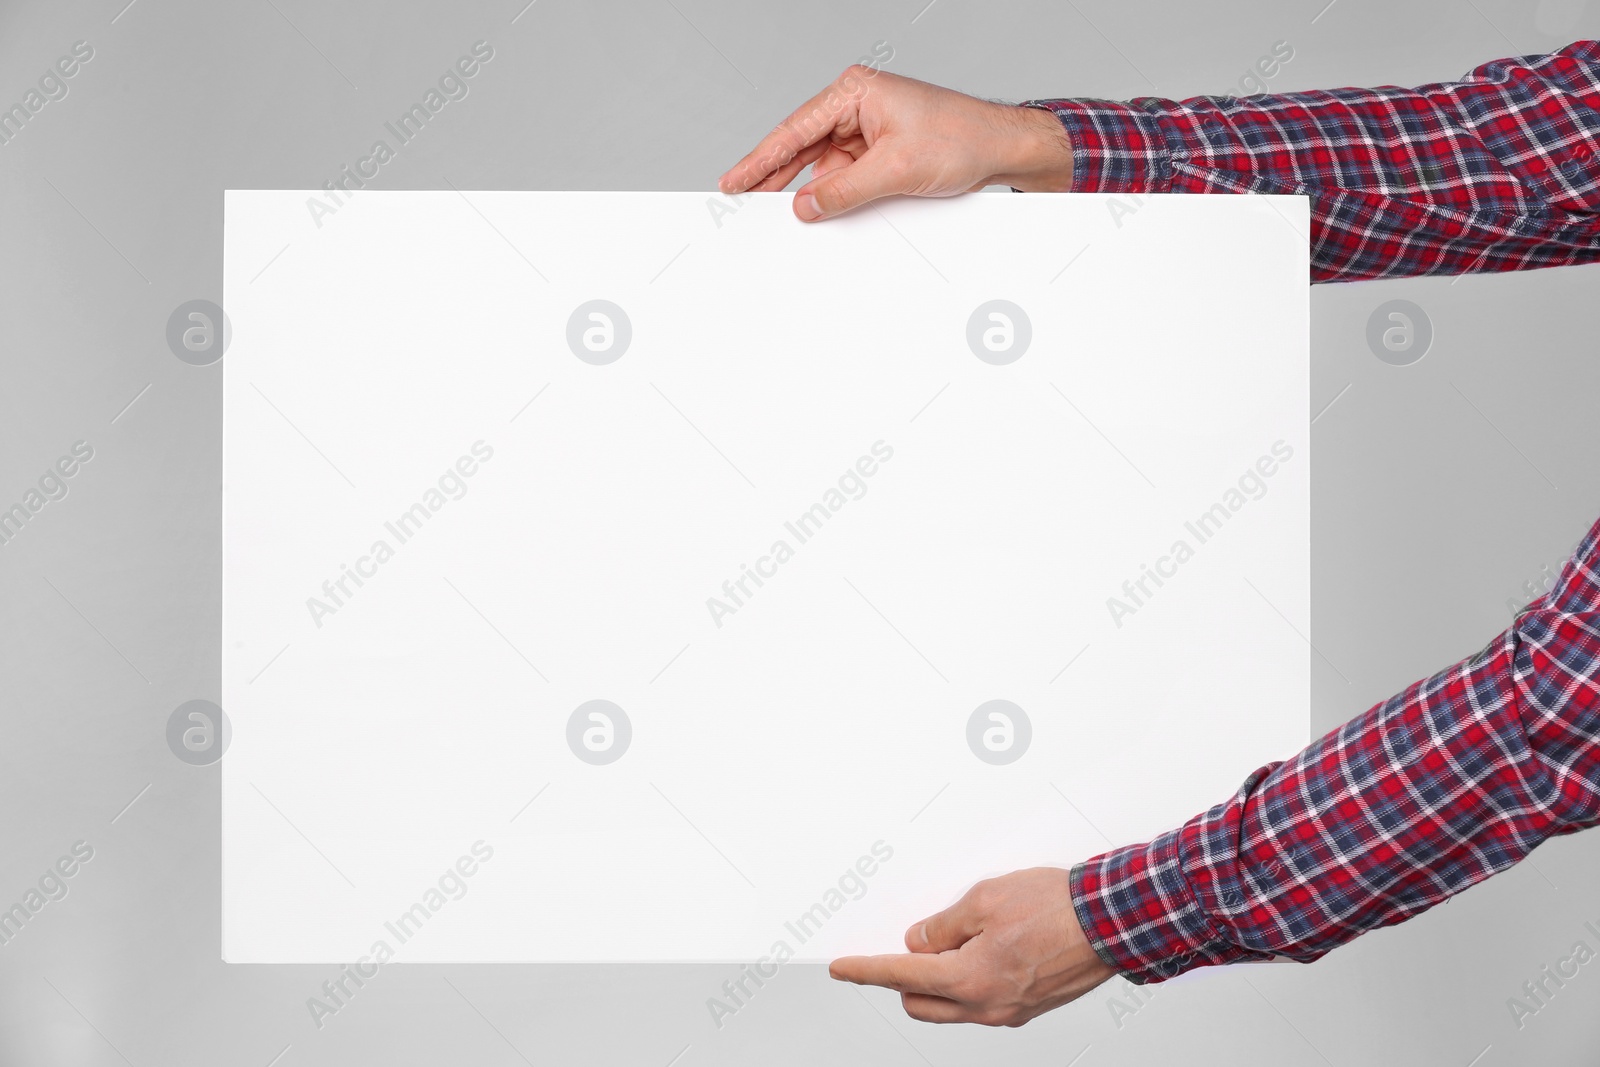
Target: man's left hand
point(1010, 949)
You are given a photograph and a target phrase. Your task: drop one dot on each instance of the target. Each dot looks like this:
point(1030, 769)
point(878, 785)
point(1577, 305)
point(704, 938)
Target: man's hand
point(1009, 950)
point(872, 134)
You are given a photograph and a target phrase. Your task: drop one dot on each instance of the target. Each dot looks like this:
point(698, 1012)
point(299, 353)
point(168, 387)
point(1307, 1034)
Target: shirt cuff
point(1140, 915)
point(1117, 147)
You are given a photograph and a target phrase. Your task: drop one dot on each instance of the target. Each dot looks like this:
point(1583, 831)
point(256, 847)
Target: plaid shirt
point(1497, 171)
point(1466, 772)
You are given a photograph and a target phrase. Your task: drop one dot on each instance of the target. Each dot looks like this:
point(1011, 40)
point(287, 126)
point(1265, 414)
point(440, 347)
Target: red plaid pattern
point(1431, 791)
point(1466, 772)
point(1494, 172)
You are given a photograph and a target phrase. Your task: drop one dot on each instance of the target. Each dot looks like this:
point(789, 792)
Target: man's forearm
point(1428, 793)
point(1498, 171)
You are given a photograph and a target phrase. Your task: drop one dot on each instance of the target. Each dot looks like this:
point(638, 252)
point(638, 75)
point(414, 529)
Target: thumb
point(877, 173)
point(949, 929)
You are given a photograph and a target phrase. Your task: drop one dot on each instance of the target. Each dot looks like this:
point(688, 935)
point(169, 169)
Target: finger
point(832, 158)
point(775, 182)
point(905, 974)
point(950, 928)
point(922, 1007)
point(876, 174)
point(811, 122)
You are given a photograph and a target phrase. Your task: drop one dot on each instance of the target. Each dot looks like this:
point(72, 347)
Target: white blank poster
point(649, 576)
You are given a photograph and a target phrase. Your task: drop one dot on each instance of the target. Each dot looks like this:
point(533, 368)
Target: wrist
point(1035, 153)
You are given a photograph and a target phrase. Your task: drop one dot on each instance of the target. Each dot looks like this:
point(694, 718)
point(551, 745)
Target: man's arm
point(1497, 171)
point(1428, 793)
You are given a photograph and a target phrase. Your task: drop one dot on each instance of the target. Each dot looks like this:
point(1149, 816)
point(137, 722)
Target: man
point(1437, 788)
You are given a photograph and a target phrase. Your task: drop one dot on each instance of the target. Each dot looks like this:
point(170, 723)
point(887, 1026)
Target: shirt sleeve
point(1497, 171)
point(1456, 778)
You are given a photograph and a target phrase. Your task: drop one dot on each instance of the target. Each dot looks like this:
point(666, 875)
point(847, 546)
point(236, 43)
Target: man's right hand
point(873, 134)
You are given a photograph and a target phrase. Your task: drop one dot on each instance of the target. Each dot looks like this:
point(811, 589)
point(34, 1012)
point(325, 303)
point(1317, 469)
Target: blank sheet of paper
point(649, 576)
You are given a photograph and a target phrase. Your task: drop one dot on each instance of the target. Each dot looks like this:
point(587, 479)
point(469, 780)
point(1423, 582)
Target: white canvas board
point(975, 502)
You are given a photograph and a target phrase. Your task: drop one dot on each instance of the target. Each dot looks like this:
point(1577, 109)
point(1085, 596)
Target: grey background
point(1440, 488)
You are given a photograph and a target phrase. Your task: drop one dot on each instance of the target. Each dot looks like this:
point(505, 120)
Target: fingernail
point(805, 205)
point(923, 930)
